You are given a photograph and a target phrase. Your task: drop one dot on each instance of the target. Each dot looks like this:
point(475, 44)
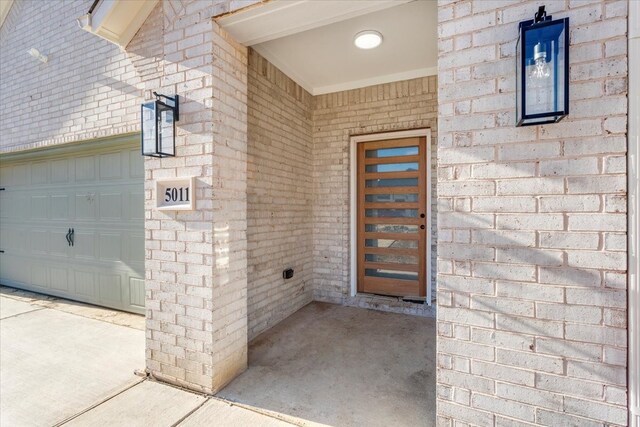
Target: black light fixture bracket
point(541, 15)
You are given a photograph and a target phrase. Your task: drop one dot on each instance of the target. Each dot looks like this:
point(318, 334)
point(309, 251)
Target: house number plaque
point(176, 194)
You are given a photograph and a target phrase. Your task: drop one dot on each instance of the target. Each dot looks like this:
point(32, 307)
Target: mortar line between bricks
point(95, 405)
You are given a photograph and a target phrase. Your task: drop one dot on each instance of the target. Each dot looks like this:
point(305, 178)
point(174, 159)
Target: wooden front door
point(392, 217)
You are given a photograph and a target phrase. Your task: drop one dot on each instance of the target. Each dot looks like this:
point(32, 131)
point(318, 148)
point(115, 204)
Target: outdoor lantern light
point(542, 52)
point(159, 126)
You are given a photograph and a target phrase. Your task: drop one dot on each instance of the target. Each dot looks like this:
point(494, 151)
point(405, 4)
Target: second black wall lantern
point(542, 52)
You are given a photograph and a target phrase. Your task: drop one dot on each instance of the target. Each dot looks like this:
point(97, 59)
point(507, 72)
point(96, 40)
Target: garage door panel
point(18, 235)
point(39, 173)
point(20, 176)
point(59, 207)
point(136, 164)
point(85, 205)
point(6, 207)
point(12, 205)
point(110, 288)
point(39, 277)
point(85, 283)
point(13, 269)
point(6, 176)
point(110, 166)
point(59, 279)
point(97, 192)
point(57, 243)
point(39, 207)
point(59, 171)
point(85, 168)
point(38, 241)
point(136, 206)
point(85, 245)
point(135, 246)
point(109, 245)
point(111, 206)
point(136, 291)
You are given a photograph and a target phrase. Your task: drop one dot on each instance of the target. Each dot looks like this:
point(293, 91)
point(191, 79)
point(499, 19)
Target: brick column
point(196, 261)
point(532, 226)
point(229, 176)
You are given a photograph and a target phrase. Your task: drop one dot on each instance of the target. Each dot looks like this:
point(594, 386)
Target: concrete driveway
point(58, 357)
point(67, 363)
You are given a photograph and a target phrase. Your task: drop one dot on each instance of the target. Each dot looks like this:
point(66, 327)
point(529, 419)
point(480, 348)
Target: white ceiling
point(324, 59)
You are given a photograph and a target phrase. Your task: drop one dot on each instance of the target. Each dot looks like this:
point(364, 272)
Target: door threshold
point(409, 299)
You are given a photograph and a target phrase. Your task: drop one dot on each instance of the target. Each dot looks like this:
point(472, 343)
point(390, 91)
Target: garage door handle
point(69, 236)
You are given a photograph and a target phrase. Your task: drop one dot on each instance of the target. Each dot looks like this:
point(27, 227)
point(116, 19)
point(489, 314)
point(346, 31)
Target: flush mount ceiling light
point(368, 39)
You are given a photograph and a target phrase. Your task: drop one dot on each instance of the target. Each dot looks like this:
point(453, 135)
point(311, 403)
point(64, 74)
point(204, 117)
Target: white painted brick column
point(196, 263)
point(532, 306)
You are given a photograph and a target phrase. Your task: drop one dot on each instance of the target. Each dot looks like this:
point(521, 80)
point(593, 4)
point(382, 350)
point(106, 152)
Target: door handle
point(69, 236)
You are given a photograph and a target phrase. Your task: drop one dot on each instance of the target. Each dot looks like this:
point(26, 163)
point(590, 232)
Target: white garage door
point(96, 190)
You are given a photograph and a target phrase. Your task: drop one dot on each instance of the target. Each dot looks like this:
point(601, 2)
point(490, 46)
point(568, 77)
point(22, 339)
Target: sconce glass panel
point(149, 135)
point(542, 94)
point(158, 129)
point(167, 131)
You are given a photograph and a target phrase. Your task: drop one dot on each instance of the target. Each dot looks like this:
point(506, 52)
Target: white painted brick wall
point(279, 191)
point(88, 89)
point(542, 283)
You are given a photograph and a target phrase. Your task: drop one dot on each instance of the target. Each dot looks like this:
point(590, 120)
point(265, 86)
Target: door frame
point(353, 200)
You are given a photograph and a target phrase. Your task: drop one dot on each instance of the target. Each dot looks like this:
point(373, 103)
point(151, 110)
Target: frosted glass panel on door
point(390, 243)
point(391, 198)
point(392, 152)
point(395, 259)
point(391, 274)
point(392, 167)
point(391, 213)
point(390, 228)
point(395, 182)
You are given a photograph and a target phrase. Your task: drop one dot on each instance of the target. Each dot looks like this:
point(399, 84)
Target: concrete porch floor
point(343, 366)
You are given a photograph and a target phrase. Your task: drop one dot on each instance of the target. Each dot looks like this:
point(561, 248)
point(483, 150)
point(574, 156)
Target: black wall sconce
point(159, 119)
point(542, 52)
